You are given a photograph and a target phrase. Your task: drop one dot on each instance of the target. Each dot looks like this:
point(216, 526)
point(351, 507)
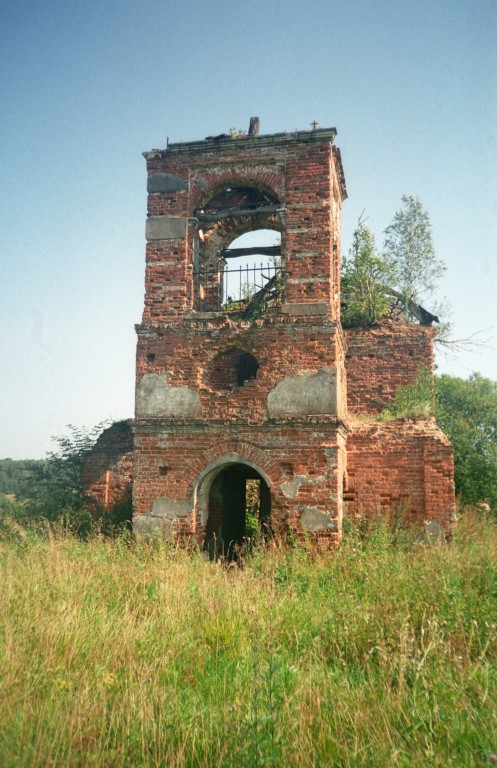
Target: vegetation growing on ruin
point(383, 653)
point(396, 280)
point(365, 278)
point(409, 251)
point(412, 401)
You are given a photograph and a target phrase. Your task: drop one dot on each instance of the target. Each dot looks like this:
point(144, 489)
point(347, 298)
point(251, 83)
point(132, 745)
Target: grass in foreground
point(382, 654)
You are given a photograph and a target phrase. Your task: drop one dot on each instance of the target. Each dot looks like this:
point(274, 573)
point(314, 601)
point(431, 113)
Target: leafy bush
point(413, 401)
point(467, 412)
point(53, 490)
point(365, 277)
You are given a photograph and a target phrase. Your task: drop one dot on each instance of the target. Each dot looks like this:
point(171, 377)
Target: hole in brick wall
point(223, 280)
point(151, 357)
point(231, 369)
point(163, 471)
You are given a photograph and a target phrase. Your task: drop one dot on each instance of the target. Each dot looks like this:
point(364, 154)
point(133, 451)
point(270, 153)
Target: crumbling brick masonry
point(252, 392)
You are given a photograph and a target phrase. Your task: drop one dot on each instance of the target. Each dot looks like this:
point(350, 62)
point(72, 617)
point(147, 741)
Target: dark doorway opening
point(239, 511)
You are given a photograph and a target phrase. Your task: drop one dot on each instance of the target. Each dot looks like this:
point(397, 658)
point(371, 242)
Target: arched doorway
point(238, 510)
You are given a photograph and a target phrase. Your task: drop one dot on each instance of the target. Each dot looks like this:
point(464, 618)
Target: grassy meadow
point(121, 654)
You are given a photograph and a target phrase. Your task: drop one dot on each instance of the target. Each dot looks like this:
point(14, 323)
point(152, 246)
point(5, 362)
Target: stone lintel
point(318, 308)
point(166, 228)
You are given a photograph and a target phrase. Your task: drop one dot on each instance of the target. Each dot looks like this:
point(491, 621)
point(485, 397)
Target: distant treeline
point(16, 474)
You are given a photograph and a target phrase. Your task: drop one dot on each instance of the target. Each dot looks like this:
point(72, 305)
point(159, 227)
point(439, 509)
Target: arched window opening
point(242, 277)
point(251, 279)
point(231, 369)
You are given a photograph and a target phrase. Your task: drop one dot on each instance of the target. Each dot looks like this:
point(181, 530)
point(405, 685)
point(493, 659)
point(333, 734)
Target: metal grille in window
point(244, 286)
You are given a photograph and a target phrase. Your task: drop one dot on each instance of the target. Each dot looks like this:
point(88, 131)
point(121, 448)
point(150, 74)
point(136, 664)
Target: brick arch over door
point(249, 455)
point(200, 487)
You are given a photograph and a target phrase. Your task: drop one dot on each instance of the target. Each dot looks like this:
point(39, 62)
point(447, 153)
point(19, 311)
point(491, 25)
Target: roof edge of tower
point(225, 141)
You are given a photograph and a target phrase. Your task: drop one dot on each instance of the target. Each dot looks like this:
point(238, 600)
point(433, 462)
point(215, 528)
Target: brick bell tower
point(240, 396)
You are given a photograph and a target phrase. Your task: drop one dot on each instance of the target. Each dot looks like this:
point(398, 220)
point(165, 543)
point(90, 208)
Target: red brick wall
point(185, 353)
point(302, 461)
point(303, 176)
point(109, 468)
point(400, 466)
point(383, 358)
point(192, 419)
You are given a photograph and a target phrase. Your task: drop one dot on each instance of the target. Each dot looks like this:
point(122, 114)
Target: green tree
point(408, 248)
point(365, 280)
point(14, 472)
point(467, 412)
point(55, 490)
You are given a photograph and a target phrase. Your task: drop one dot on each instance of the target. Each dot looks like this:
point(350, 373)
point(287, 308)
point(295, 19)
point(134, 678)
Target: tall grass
point(119, 654)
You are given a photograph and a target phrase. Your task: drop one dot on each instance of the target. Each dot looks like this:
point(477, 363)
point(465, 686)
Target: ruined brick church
point(252, 397)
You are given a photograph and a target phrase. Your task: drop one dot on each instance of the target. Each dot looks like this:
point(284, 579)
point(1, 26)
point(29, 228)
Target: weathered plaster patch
point(291, 487)
point(434, 532)
point(305, 395)
point(316, 308)
point(165, 182)
point(167, 508)
point(144, 525)
point(315, 520)
point(161, 519)
point(154, 397)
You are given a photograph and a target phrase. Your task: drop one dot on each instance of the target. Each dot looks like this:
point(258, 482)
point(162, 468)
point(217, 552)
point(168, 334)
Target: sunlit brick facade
point(256, 392)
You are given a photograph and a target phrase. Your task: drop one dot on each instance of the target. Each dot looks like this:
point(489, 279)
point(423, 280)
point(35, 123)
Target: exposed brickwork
point(193, 409)
point(381, 359)
point(303, 177)
point(185, 354)
point(301, 469)
point(203, 427)
point(108, 471)
point(401, 467)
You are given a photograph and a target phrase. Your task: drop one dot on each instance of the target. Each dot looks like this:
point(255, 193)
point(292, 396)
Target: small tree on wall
point(365, 277)
point(406, 273)
point(409, 251)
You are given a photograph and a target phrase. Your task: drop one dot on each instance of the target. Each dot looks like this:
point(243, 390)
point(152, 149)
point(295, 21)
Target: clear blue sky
point(87, 86)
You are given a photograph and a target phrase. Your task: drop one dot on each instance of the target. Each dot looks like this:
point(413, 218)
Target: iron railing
point(236, 287)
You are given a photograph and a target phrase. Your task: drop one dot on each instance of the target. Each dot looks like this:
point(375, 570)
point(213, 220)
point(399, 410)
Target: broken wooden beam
point(226, 214)
point(266, 250)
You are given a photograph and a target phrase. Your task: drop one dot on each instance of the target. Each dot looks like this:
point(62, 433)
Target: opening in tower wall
point(251, 271)
point(239, 511)
point(230, 369)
